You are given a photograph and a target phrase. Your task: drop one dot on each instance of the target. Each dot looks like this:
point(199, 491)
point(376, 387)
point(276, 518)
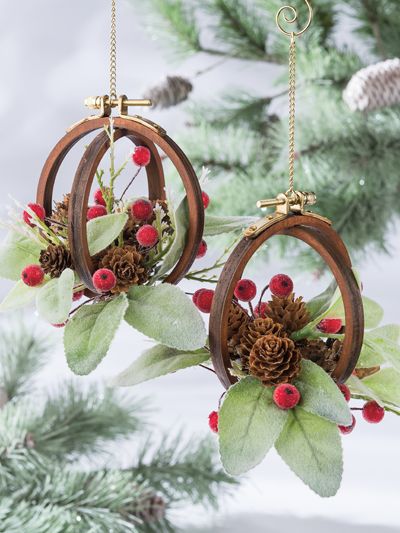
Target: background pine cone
point(128, 266)
point(60, 212)
point(275, 360)
point(151, 508)
point(237, 318)
point(55, 259)
point(291, 312)
point(170, 92)
point(251, 331)
point(317, 351)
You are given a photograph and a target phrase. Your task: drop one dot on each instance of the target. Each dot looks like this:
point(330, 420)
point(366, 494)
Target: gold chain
point(292, 111)
point(113, 51)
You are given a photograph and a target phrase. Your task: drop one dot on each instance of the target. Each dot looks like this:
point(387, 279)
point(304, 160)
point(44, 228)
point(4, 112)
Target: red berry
point(281, 285)
point(213, 421)
point(32, 275)
point(104, 280)
point(201, 252)
point(141, 156)
point(373, 412)
point(286, 396)
point(77, 295)
point(147, 236)
point(330, 325)
point(261, 310)
point(346, 391)
point(96, 211)
point(60, 325)
point(39, 212)
point(346, 430)
point(206, 199)
point(203, 300)
point(99, 198)
point(245, 290)
point(142, 210)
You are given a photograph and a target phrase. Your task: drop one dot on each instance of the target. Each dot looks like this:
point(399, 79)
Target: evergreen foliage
point(348, 159)
point(53, 446)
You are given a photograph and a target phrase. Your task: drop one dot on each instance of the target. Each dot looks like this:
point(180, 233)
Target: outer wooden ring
point(138, 133)
point(322, 237)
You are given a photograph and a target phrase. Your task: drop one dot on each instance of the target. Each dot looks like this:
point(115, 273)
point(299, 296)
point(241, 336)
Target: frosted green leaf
point(389, 350)
point(17, 252)
point(181, 220)
point(311, 447)
point(369, 356)
point(158, 361)
point(89, 334)
point(215, 225)
point(19, 296)
point(102, 231)
point(164, 313)
point(249, 424)
point(321, 396)
point(321, 303)
point(372, 353)
point(373, 313)
point(53, 300)
point(390, 331)
point(358, 387)
point(386, 384)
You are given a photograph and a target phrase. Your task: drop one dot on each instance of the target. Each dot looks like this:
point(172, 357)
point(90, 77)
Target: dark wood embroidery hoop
point(317, 233)
point(140, 133)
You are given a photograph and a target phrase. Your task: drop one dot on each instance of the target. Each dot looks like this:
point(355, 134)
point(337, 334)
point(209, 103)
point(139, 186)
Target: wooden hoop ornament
point(140, 132)
point(317, 233)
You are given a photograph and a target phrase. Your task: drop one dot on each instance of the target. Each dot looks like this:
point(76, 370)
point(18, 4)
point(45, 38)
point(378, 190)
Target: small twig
point(129, 184)
point(207, 368)
point(55, 222)
point(81, 305)
point(251, 309)
point(262, 295)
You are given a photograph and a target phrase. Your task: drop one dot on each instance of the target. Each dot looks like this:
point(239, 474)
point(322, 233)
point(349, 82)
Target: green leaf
point(215, 225)
point(181, 219)
point(248, 426)
point(311, 447)
point(321, 303)
point(17, 252)
point(386, 384)
point(88, 335)
point(389, 350)
point(321, 396)
point(54, 300)
point(102, 231)
point(369, 357)
point(158, 361)
point(164, 313)
point(359, 388)
point(19, 296)
point(390, 332)
point(373, 313)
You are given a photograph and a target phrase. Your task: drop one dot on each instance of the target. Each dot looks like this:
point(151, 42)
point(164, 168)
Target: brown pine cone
point(291, 312)
point(275, 360)
point(250, 332)
point(60, 212)
point(128, 266)
point(151, 508)
point(55, 259)
point(317, 351)
point(237, 318)
point(130, 230)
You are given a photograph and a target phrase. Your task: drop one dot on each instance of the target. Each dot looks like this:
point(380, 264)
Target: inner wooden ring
point(323, 239)
point(139, 133)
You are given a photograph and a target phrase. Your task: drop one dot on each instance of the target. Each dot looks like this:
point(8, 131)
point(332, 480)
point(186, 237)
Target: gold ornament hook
point(292, 18)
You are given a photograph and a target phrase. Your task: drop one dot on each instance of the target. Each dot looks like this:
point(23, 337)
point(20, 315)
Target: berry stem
point(81, 305)
point(207, 368)
point(129, 184)
point(251, 309)
point(262, 295)
point(56, 222)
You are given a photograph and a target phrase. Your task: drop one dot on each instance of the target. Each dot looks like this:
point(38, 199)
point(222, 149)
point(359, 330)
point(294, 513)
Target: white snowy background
point(52, 55)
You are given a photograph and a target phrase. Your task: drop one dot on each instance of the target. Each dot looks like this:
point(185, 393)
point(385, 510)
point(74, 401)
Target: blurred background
point(54, 54)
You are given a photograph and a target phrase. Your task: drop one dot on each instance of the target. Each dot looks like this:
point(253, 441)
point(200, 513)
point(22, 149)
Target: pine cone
point(151, 508)
point(237, 318)
point(60, 213)
point(291, 312)
point(55, 259)
point(130, 230)
point(317, 351)
point(250, 332)
point(374, 87)
point(128, 266)
point(275, 360)
point(171, 92)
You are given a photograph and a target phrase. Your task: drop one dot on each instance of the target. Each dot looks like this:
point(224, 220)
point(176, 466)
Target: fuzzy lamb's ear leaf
point(17, 252)
point(215, 225)
point(380, 345)
point(358, 387)
point(321, 396)
point(321, 303)
point(312, 448)
point(386, 384)
point(158, 361)
point(88, 335)
point(102, 231)
point(248, 426)
point(164, 313)
point(373, 313)
point(389, 350)
point(19, 296)
point(181, 220)
point(53, 300)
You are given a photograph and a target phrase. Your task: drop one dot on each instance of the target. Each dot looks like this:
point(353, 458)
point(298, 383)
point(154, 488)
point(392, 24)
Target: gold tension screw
point(290, 202)
point(105, 104)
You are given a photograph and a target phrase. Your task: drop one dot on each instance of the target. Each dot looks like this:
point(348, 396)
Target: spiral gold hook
point(291, 15)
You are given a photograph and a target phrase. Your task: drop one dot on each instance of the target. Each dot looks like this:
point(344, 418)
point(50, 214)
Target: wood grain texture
point(324, 240)
point(139, 134)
